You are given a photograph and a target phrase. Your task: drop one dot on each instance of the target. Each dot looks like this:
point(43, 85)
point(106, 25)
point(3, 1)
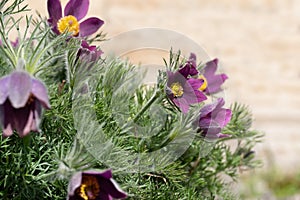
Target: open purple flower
point(74, 11)
point(89, 53)
point(21, 100)
point(184, 92)
point(94, 185)
point(213, 81)
point(213, 118)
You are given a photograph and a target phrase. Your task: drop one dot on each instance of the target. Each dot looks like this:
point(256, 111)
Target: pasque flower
point(14, 44)
point(213, 80)
point(184, 91)
point(21, 100)
point(190, 67)
point(74, 12)
point(94, 185)
point(89, 53)
point(213, 118)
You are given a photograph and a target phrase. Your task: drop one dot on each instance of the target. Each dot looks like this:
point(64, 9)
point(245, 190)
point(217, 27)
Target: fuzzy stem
point(148, 104)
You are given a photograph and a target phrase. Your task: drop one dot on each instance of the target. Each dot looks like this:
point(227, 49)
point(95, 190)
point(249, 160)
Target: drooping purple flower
point(213, 118)
point(190, 67)
point(21, 100)
point(94, 185)
point(184, 92)
point(74, 12)
point(213, 80)
point(89, 53)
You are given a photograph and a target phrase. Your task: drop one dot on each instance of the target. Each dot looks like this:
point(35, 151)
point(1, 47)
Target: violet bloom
point(190, 67)
point(14, 44)
point(212, 80)
point(89, 53)
point(184, 92)
point(94, 185)
point(21, 100)
point(74, 11)
point(213, 118)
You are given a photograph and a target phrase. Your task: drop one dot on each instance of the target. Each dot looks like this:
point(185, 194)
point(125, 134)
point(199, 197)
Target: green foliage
point(102, 116)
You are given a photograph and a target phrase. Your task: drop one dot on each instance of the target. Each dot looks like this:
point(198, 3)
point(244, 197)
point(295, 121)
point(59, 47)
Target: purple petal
point(36, 116)
point(221, 135)
point(212, 132)
point(20, 119)
point(210, 67)
point(200, 96)
point(209, 127)
point(74, 183)
point(23, 131)
point(19, 88)
point(188, 70)
point(7, 131)
point(90, 26)
point(4, 81)
point(193, 59)
point(224, 77)
point(89, 53)
point(85, 44)
point(190, 67)
point(15, 43)
point(6, 113)
point(210, 107)
point(77, 8)
point(40, 92)
point(182, 104)
point(110, 187)
point(223, 117)
point(107, 174)
point(195, 83)
point(193, 97)
point(214, 83)
point(54, 10)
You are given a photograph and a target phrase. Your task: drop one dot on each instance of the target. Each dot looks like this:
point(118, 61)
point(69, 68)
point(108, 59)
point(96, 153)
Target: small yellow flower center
point(177, 89)
point(89, 188)
point(69, 24)
point(204, 84)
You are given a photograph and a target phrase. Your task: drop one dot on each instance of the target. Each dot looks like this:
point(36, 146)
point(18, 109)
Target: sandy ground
point(257, 43)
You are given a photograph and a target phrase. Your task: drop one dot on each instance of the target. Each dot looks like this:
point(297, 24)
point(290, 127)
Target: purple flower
point(89, 53)
point(14, 44)
point(184, 92)
point(213, 118)
point(190, 67)
point(74, 11)
point(21, 100)
point(94, 185)
point(213, 81)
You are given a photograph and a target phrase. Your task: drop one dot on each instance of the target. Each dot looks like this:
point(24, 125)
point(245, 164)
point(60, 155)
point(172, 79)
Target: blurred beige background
point(257, 43)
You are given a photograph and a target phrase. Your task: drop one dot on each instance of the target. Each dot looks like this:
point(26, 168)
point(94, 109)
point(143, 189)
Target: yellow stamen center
point(89, 188)
point(68, 23)
point(177, 89)
point(204, 84)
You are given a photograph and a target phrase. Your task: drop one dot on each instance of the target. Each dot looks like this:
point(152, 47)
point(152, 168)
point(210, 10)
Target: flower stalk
point(154, 97)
